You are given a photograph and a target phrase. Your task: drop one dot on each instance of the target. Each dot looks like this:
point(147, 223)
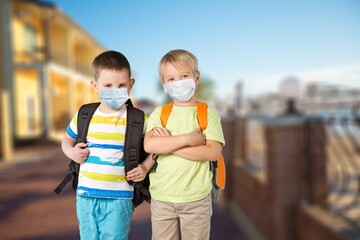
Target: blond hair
point(179, 58)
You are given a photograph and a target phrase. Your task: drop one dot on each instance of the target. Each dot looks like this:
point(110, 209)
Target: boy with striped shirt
point(103, 202)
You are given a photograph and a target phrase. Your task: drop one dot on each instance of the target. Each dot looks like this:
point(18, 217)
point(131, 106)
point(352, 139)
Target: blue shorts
point(102, 218)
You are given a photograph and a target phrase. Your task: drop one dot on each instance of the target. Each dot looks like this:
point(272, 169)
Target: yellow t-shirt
point(176, 179)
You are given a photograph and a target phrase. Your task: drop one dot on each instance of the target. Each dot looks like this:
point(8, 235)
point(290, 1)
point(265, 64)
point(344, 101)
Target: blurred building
point(326, 99)
point(145, 104)
point(313, 99)
point(45, 71)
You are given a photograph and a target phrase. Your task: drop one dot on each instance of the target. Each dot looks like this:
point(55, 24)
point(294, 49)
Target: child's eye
point(170, 79)
point(184, 76)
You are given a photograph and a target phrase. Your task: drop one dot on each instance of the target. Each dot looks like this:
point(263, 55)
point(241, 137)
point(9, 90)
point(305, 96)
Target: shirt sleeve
point(154, 119)
point(72, 127)
point(146, 119)
point(214, 129)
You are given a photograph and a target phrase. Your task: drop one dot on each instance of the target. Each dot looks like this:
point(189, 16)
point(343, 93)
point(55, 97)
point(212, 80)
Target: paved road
point(29, 209)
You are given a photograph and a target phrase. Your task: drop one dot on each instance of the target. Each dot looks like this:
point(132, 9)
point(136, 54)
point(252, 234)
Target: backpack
point(216, 167)
point(133, 149)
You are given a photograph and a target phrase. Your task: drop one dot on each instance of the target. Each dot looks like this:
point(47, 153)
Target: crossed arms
point(191, 146)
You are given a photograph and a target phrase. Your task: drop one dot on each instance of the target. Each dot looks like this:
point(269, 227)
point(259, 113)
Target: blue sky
point(257, 42)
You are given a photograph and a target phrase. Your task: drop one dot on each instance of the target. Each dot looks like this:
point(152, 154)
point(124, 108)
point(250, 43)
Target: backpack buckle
point(72, 168)
point(136, 124)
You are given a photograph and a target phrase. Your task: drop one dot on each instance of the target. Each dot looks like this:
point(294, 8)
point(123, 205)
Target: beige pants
point(191, 220)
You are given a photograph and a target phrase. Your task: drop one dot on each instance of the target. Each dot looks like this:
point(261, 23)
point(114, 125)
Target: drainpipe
point(6, 83)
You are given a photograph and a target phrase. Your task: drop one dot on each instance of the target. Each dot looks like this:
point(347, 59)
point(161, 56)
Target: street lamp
point(290, 92)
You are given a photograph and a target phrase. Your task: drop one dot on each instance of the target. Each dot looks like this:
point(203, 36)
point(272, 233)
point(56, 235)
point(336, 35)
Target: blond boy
point(181, 185)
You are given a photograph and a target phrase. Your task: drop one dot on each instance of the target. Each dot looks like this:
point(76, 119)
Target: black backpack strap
point(133, 136)
point(133, 146)
point(85, 114)
point(67, 178)
point(83, 120)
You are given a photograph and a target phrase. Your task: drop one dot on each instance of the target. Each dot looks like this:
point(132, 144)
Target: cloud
point(345, 75)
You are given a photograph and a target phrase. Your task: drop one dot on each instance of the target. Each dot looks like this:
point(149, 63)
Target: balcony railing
point(60, 58)
point(343, 149)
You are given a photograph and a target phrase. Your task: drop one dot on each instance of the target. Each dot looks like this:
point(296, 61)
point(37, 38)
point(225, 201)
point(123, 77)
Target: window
point(30, 38)
point(30, 107)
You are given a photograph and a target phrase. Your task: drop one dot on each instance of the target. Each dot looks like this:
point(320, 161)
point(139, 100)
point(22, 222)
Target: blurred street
point(29, 209)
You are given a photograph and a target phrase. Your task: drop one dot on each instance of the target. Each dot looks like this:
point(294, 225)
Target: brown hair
point(111, 60)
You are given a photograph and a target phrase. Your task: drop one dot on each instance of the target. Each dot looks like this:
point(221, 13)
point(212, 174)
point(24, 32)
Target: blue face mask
point(114, 97)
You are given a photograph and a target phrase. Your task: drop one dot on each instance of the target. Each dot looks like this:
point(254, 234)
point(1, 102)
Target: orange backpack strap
point(165, 113)
point(202, 109)
point(219, 170)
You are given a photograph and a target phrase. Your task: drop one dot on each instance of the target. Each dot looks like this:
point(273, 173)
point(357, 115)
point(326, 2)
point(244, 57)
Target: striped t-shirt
point(103, 173)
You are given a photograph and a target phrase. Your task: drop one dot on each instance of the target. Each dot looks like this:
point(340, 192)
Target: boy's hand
point(80, 152)
point(137, 174)
point(195, 138)
point(160, 132)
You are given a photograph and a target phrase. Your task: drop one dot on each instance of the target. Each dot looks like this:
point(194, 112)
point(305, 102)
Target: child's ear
point(197, 78)
point(132, 82)
point(94, 85)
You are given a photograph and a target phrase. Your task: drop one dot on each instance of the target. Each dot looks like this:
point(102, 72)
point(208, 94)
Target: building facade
point(45, 70)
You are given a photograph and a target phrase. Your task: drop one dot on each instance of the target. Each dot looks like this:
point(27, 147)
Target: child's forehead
point(177, 67)
point(108, 71)
point(106, 74)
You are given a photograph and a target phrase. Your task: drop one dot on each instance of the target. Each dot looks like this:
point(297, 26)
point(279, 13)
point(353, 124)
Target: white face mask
point(114, 97)
point(181, 90)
